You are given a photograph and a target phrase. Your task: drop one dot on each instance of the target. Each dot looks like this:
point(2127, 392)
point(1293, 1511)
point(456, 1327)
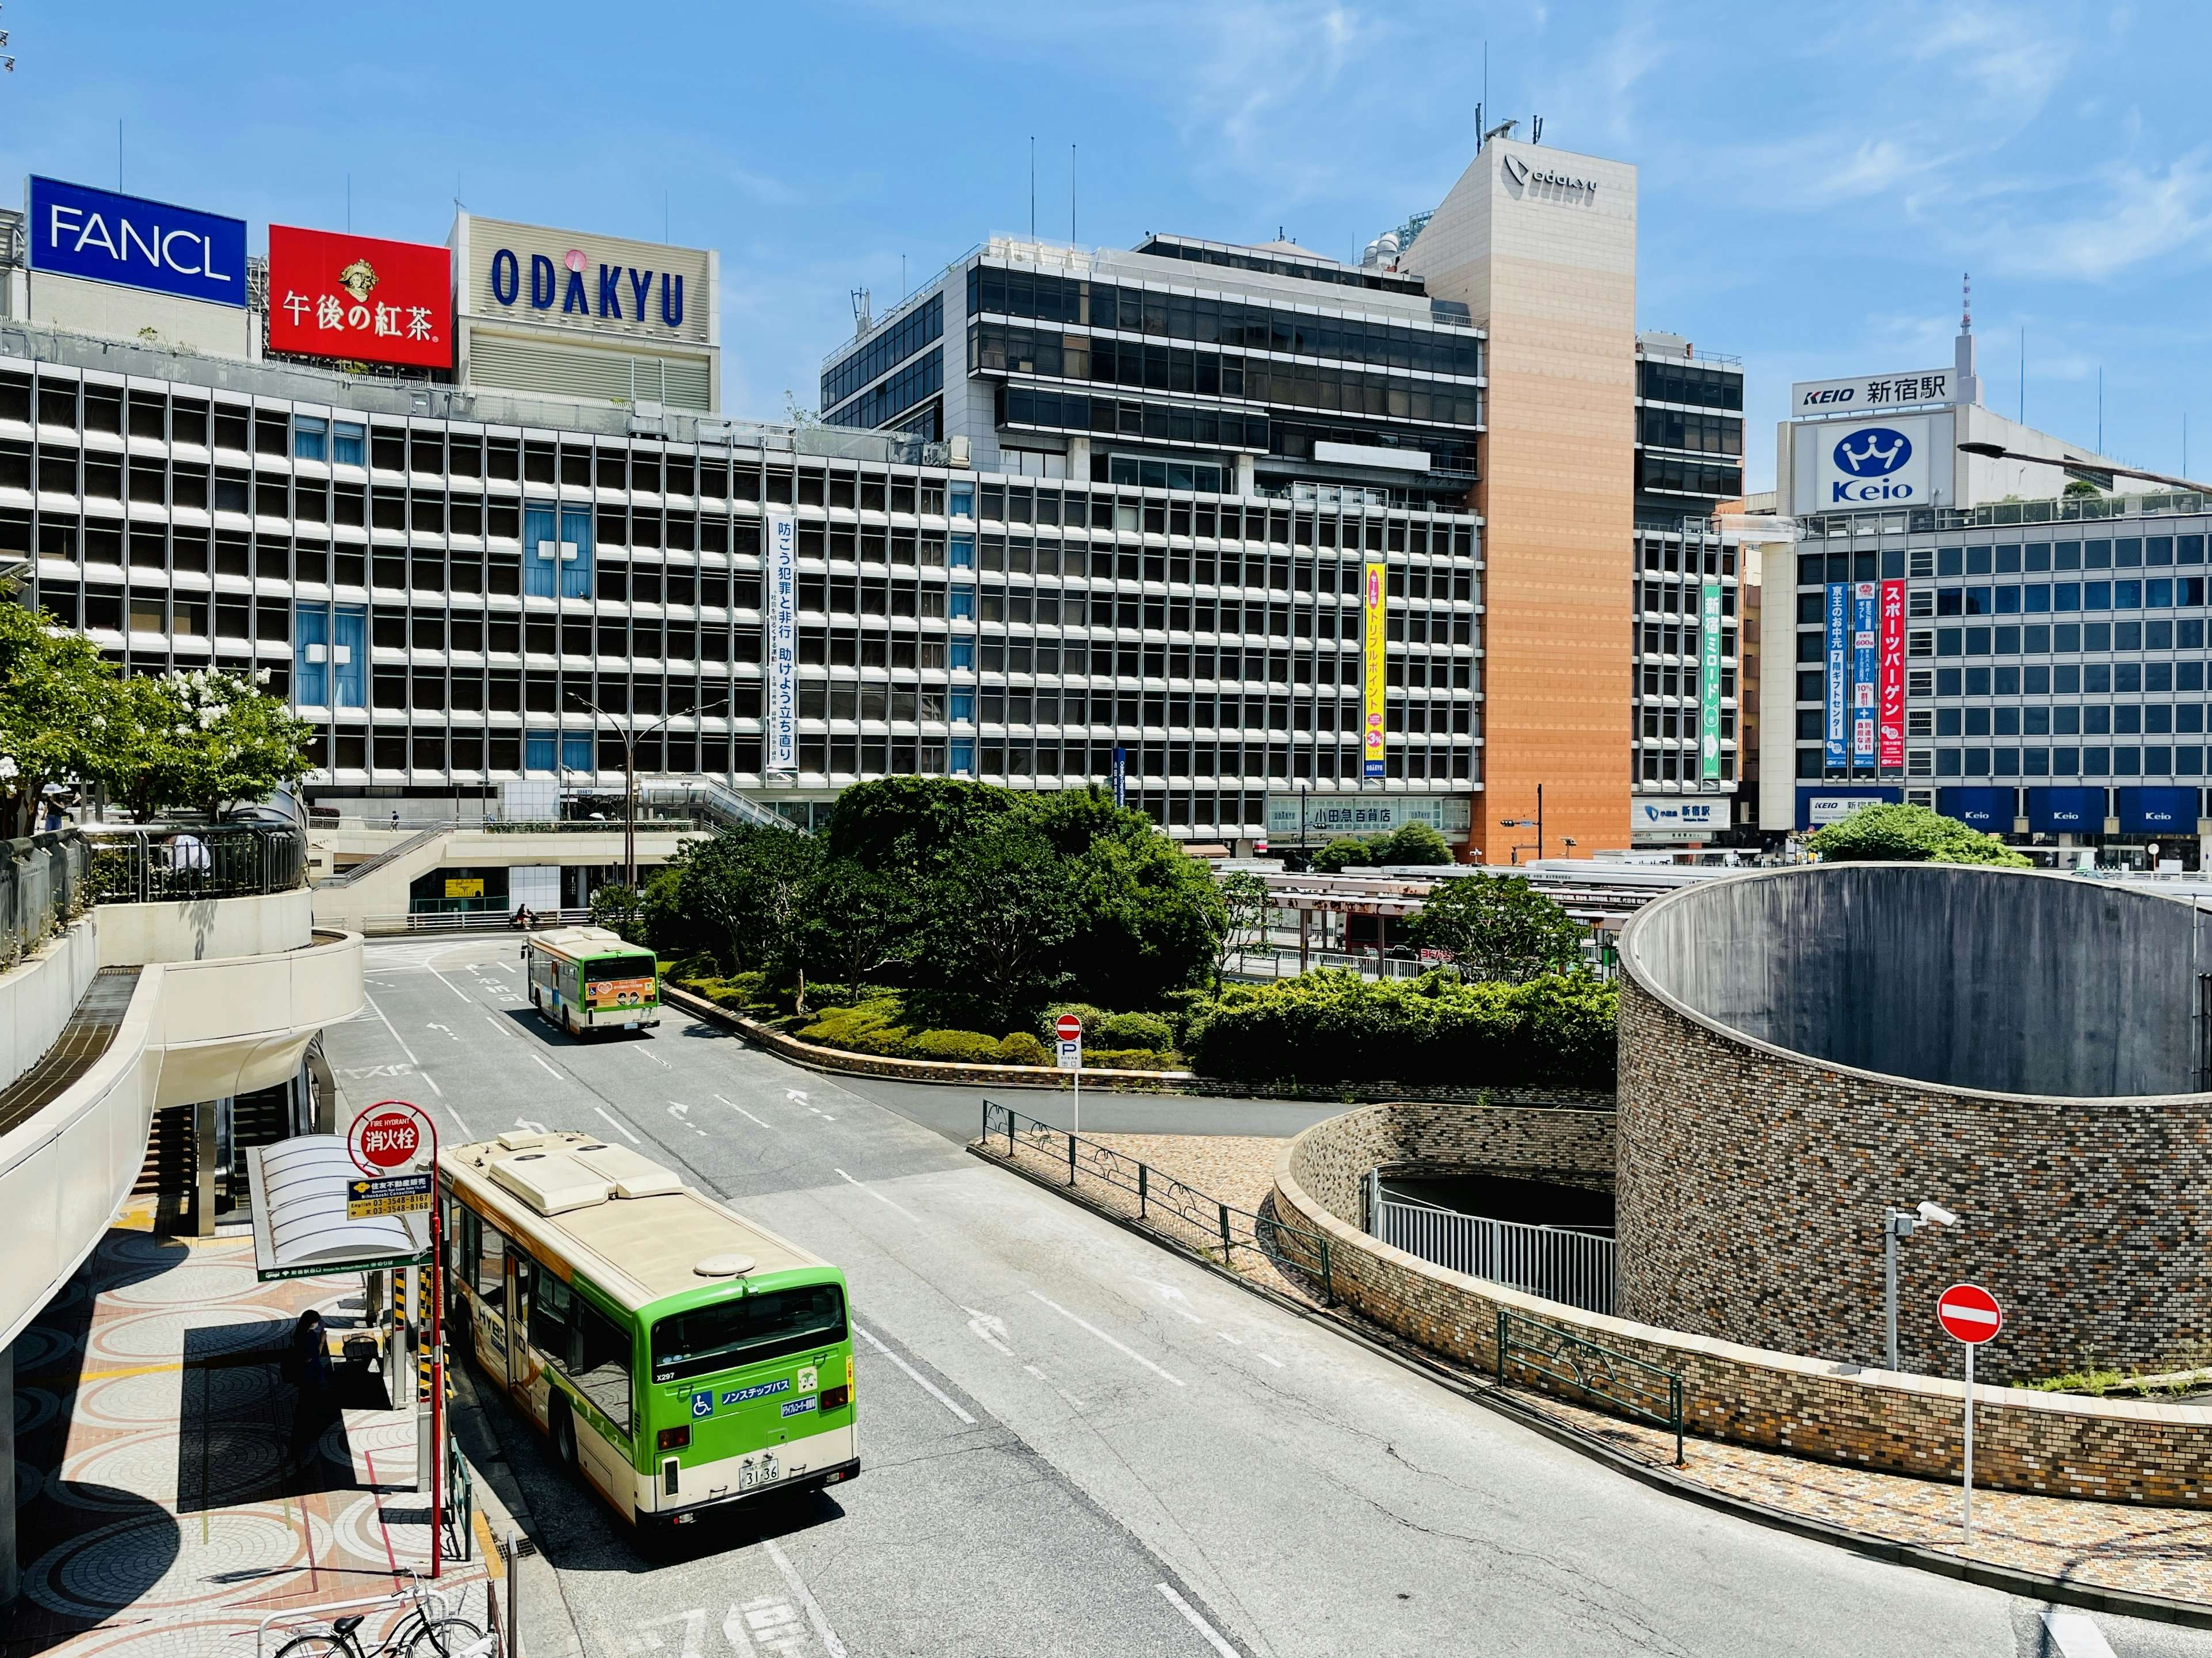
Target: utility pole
point(629, 739)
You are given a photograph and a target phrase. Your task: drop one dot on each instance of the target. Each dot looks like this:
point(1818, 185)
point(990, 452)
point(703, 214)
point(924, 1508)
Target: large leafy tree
point(1496, 928)
point(746, 891)
point(62, 715)
point(914, 826)
point(1413, 843)
point(204, 738)
point(1002, 917)
point(864, 922)
point(1147, 916)
point(1909, 834)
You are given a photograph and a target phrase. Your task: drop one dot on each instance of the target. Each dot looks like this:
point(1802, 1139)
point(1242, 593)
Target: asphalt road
point(956, 1113)
point(1075, 1444)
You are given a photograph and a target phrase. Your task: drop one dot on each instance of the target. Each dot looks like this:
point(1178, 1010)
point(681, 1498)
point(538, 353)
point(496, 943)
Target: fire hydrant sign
point(389, 1136)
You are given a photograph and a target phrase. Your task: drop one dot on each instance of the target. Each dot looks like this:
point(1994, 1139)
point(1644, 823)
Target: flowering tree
point(58, 706)
point(202, 737)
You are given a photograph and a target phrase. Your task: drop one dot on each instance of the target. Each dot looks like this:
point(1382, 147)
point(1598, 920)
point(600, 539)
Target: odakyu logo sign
point(576, 286)
point(1876, 465)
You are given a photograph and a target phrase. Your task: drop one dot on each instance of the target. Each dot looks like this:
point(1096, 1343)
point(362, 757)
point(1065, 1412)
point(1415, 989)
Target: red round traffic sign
point(389, 1134)
point(1068, 1028)
point(1969, 1312)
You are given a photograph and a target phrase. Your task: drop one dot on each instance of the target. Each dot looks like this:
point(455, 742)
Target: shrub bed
point(1335, 1026)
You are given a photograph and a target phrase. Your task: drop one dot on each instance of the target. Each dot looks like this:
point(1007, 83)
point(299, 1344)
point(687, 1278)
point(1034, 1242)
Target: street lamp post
point(1899, 1223)
point(629, 740)
point(2075, 464)
point(1535, 823)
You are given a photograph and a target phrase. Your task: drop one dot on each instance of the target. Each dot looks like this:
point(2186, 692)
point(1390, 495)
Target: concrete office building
point(1957, 633)
point(1480, 370)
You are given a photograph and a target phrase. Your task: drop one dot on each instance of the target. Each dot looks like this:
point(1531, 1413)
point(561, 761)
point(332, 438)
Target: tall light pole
point(1899, 1223)
point(2075, 464)
point(629, 738)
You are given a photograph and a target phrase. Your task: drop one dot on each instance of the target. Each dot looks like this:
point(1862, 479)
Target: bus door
point(488, 1309)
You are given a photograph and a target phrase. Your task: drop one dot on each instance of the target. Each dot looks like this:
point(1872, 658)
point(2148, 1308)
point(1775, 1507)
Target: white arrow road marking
point(619, 1126)
point(678, 1109)
point(1212, 1635)
point(740, 1110)
point(878, 1196)
point(534, 1127)
point(830, 1644)
point(919, 1379)
point(989, 1329)
point(1127, 1352)
point(2076, 1635)
point(1172, 1296)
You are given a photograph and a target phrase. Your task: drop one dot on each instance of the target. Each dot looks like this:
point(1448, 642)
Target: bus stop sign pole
point(379, 1143)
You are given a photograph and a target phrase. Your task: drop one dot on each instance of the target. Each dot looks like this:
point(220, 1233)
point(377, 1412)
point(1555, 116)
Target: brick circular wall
point(1752, 1178)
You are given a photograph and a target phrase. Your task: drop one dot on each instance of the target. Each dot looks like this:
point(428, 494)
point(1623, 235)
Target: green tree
point(1346, 851)
point(747, 888)
point(621, 909)
point(1146, 914)
point(863, 922)
point(1000, 919)
point(62, 712)
point(1896, 834)
point(202, 738)
point(1244, 919)
point(1413, 843)
point(914, 826)
point(1496, 928)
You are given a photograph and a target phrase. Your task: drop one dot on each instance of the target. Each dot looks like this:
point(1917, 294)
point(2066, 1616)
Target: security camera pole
point(1899, 1223)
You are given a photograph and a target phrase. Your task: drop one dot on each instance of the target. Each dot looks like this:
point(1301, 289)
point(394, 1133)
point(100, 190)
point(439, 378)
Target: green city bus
point(585, 979)
point(680, 1358)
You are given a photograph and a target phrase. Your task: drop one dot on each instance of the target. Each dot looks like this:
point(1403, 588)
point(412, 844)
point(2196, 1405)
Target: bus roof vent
point(552, 1183)
point(630, 1175)
point(516, 1139)
point(725, 1267)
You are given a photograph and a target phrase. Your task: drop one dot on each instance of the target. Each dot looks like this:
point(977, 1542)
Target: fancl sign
point(75, 230)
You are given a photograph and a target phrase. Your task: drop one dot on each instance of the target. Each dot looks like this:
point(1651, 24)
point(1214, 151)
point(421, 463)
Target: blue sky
point(1814, 177)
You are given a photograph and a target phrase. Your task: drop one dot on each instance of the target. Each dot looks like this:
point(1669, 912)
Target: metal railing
point(1557, 1357)
point(1560, 1263)
point(44, 880)
point(1223, 1228)
point(423, 837)
point(154, 863)
point(704, 798)
point(473, 921)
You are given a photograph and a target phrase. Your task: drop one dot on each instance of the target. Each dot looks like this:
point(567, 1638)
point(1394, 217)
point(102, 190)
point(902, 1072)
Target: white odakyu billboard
point(1885, 462)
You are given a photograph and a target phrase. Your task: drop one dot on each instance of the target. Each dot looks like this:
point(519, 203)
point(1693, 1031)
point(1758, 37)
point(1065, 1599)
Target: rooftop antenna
point(7, 61)
point(119, 155)
point(664, 213)
point(1071, 203)
point(349, 204)
point(860, 322)
point(1481, 137)
point(2100, 408)
point(1536, 130)
point(1478, 129)
point(902, 279)
point(1967, 302)
point(1033, 187)
point(2023, 385)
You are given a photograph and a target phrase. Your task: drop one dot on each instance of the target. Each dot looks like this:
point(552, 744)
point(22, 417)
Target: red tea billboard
point(335, 294)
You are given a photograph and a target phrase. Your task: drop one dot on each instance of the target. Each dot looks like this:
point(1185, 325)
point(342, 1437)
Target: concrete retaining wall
point(37, 996)
point(2118, 1450)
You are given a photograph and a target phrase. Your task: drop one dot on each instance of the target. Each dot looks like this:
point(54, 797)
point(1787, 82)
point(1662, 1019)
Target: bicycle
point(417, 1634)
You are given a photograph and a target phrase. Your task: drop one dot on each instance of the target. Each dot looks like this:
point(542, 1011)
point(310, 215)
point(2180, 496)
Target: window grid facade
point(442, 606)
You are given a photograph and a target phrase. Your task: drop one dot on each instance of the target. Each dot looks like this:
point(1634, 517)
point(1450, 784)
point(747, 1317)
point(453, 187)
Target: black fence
point(155, 862)
point(43, 881)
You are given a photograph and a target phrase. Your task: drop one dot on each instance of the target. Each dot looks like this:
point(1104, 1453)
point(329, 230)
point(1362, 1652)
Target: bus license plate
point(752, 1472)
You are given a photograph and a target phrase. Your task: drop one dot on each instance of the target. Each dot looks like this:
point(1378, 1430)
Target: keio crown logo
point(1875, 453)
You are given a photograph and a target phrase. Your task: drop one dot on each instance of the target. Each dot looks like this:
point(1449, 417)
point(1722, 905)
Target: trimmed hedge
point(1335, 1026)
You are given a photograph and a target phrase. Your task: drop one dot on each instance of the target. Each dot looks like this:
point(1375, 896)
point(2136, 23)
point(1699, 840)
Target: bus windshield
point(750, 1330)
point(599, 967)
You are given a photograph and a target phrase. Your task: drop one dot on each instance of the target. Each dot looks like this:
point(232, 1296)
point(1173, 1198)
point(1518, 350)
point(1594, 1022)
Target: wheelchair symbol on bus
point(703, 1403)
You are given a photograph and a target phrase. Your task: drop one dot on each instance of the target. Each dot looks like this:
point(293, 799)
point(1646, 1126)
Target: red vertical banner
point(1889, 703)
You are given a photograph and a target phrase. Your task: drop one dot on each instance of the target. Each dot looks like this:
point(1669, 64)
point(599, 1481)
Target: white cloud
point(2092, 228)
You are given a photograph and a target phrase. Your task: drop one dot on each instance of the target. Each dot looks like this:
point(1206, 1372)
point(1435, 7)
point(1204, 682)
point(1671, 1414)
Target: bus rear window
point(748, 1331)
point(599, 967)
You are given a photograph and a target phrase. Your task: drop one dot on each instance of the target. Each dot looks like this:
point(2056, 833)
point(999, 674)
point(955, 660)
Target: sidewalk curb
point(2009, 1580)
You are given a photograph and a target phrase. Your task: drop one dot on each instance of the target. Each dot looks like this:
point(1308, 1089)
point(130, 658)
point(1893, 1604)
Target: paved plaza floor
point(171, 1495)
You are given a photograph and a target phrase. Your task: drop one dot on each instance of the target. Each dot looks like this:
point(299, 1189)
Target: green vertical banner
point(1709, 681)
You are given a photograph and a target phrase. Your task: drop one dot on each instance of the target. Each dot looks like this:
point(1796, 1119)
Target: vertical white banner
point(779, 726)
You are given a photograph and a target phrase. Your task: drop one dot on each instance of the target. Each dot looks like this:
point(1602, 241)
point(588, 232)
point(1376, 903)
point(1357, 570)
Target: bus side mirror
point(523, 954)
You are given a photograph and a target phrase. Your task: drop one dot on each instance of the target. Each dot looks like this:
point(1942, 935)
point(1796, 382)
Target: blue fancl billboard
point(77, 231)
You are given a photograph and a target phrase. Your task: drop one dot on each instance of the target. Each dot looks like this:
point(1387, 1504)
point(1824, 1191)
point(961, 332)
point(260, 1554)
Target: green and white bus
point(681, 1359)
point(586, 978)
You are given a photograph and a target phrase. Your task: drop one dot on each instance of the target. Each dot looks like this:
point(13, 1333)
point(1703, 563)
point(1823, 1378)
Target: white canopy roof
point(300, 1226)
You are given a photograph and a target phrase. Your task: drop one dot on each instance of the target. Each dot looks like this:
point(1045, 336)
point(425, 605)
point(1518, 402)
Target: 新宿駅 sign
point(102, 236)
point(1871, 393)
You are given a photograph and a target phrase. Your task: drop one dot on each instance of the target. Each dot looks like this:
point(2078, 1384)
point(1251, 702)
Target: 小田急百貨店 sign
point(106, 237)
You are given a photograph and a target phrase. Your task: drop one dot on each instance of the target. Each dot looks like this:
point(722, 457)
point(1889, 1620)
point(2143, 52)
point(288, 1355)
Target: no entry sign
point(1969, 1312)
point(1068, 1028)
point(389, 1134)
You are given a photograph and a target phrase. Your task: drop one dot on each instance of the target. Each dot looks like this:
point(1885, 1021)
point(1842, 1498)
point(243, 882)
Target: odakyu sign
point(559, 278)
point(1871, 462)
point(102, 236)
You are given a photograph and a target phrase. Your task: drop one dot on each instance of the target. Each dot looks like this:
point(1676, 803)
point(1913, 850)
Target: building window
point(568, 552)
point(348, 444)
point(538, 751)
point(310, 438)
point(963, 552)
point(962, 500)
point(963, 604)
point(962, 756)
point(962, 654)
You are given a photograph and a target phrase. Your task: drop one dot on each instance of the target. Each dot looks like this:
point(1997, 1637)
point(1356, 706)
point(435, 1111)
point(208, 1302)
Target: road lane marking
point(1212, 1635)
point(1231, 1340)
point(2076, 1635)
point(1072, 1401)
point(451, 986)
point(1127, 1352)
point(741, 1111)
point(989, 1329)
point(388, 1025)
point(917, 1377)
point(658, 1060)
point(879, 1197)
point(619, 1126)
point(830, 1644)
point(551, 1069)
point(1267, 1359)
